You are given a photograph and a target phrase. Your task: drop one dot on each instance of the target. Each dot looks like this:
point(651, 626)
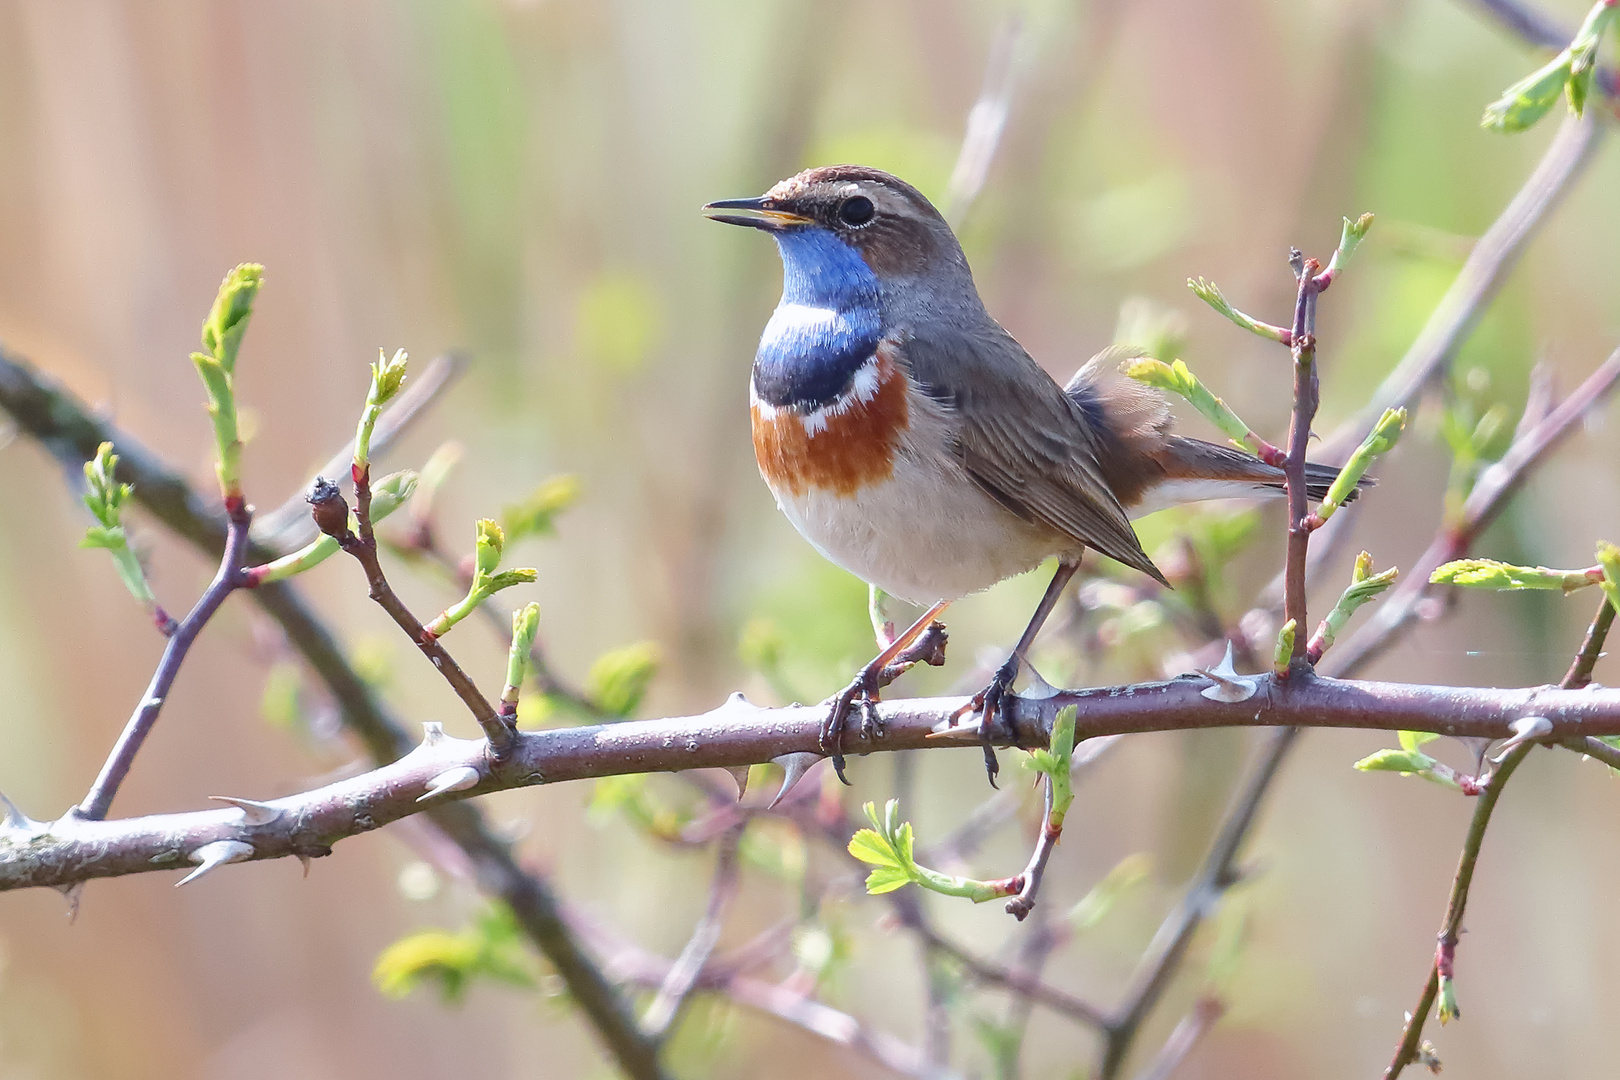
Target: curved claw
point(994, 706)
point(861, 694)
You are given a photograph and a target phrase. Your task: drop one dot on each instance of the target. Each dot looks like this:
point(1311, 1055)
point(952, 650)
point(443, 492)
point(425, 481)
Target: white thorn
point(215, 854)
point(1229, 685)
point(459, 778)
point(1038, 688)
point(432, 733)
point(794, 766)
point(964, 732)
point(739, 773)
point(253, 813)
point(72, 893)
point(1524, 729)
point(13, 818)
point(306, 860)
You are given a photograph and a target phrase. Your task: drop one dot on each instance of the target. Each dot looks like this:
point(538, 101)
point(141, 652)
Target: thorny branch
point(70, 431)
point(739, 733)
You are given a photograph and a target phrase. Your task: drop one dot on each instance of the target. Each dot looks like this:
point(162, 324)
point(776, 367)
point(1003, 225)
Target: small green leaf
point(869, 847)
point(1401, 761)
point(1491, 574)
point(1608, 557)
point(886, 879)
point(1524, 103)
point(1283, 655)
point(536, 514)
point(490, 947)
point(1411, 740)
point(487, 548)
point(1383, 437)
point(1211, 295)
point(525, 624)
point(1447, 1007)
point(619, 679)
point(228, 319)
point(1126, 875)
point(1568, 73)
point(1178, 379)
point(387, 376)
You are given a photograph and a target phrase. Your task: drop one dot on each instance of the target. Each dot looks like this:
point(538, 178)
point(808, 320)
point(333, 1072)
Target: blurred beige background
point(521, 180)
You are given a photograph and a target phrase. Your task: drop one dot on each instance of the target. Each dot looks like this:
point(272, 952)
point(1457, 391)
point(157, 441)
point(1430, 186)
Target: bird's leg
point(993, 703)
point(863, 690)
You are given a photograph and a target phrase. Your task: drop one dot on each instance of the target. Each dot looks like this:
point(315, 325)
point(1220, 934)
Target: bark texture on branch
point(738, 733)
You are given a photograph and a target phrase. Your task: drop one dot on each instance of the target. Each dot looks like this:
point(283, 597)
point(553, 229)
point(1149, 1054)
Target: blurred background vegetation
point(520, 179)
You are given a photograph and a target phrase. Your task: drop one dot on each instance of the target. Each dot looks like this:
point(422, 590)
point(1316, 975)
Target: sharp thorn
point(737, 702)
point(253, 813)
point(1038, 689)
point(966, 732)
point(1524, 729)
point(739, 773)
point(794, 766)
point(432, 733)
point(459, 778)
point(13, 818)
point(306, 860)
point(1229, 685)
point(214, 855)
point(72, 893)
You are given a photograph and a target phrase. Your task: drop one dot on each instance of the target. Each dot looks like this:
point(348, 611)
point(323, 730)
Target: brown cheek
point(855, 449)
point(892, 252)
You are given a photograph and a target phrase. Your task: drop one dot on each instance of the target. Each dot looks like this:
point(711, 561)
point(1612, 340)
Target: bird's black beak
point(766, 213)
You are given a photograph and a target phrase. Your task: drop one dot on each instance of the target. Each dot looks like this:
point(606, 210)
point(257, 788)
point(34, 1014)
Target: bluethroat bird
point(914, 443)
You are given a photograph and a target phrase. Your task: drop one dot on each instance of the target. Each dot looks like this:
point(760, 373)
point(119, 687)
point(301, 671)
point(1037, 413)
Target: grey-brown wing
point(1022, 440)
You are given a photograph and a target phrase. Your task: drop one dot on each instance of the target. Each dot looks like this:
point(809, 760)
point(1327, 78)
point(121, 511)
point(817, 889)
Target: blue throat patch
point(826, 326)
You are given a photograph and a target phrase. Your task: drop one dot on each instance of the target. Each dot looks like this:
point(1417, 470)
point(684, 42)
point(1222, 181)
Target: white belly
point(926, 533)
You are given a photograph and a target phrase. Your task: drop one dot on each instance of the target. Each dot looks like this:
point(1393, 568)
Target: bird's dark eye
point(856, 211)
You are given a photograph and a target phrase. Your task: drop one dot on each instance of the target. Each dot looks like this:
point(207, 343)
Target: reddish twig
point(226, 580)
point(1306, 396)
point(332, 514)
point(1029, 882)
point(1578, 676)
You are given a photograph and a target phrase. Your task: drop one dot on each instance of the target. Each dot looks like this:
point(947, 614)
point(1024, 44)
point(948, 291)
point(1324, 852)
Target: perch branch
point(737, 733)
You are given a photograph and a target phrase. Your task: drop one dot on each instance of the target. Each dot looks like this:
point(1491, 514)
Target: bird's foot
point(860, 696)
point(993, 705)
point(864, 691)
